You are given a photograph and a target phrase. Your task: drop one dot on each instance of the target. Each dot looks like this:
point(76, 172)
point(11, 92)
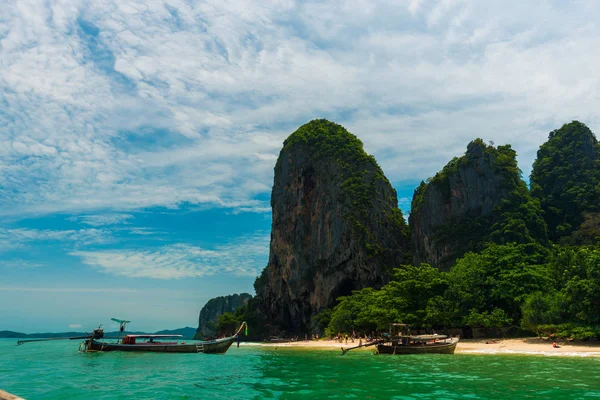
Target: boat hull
point(425, 348)
point(219, 346)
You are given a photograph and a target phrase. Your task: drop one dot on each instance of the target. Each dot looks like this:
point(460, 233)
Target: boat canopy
point(152, 336)
point(428, 337)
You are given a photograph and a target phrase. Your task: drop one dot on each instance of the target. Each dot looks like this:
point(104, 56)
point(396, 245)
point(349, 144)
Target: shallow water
point(55, 370)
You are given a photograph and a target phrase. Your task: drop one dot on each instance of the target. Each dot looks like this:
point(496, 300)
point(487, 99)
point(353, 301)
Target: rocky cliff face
point(216, 307)
point(336, 226)
point(477, 198)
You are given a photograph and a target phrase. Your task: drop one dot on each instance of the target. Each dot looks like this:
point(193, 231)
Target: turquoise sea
point(55, 370)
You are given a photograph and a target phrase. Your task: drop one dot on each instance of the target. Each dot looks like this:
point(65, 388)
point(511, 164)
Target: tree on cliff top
point(566, 178)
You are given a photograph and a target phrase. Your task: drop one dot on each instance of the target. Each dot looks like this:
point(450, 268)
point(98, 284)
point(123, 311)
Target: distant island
point(483, 253)
point(186, 333)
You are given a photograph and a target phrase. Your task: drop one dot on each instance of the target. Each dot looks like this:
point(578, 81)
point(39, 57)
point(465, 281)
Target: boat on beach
point(150, 343)
point(403, 342)
point(421, 344)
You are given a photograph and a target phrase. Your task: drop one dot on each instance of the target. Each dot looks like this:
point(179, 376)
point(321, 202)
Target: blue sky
point(138, 138)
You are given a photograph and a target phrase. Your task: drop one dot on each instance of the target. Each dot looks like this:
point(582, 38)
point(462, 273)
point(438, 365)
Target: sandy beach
point(525, 346)
point(7, 396)
point(529, 346)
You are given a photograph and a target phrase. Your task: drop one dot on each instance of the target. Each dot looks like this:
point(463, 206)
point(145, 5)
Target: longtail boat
point(420, 344)
point(405, 343)
point(150, 343)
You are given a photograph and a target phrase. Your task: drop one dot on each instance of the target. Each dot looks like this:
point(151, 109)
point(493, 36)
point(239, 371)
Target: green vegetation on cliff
point(227, 323)
point(215, 307)
point(566, 178)
point(485, 177)
point(360, 173)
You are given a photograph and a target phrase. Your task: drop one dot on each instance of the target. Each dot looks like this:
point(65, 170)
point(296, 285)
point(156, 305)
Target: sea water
point(55, 370)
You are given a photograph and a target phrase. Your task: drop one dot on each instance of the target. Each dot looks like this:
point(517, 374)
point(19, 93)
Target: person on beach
point(555, 345)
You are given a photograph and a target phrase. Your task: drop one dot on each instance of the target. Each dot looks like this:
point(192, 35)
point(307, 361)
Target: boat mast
point(122, 325)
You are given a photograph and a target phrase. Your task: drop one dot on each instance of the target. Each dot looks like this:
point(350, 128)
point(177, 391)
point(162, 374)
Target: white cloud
point(22, 237)
point(20, 263)
point(74, 326)
point(244, 256)
point(142, 231)
point(121, 105)
point(104, 219)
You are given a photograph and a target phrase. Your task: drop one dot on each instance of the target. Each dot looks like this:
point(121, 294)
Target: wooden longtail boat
point(135, 343)
point(405, 343)
point(419, 345)
point(151, 343)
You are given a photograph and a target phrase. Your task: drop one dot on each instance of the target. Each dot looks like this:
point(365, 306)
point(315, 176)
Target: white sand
point(7, 396)
point(532, 346)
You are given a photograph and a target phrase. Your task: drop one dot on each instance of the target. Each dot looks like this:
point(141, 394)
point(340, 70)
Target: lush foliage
point(566, 178)
point(228, 322)
point(588, 232)
point(504, 285)
point(405, 298)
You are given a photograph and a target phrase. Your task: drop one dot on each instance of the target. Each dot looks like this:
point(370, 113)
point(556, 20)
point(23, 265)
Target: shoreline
point(521, 346)
point(7, 396)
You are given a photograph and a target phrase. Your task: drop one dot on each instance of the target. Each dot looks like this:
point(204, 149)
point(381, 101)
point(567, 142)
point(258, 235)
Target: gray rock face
point(336, 226)
point(216, 307)
point(473, 200)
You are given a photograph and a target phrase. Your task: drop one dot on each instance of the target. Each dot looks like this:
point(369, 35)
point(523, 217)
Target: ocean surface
point(55, 370)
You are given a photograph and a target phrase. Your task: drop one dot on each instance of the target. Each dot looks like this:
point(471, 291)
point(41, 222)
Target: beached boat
point(422, 344)
point(403, 342)
point(151, 343)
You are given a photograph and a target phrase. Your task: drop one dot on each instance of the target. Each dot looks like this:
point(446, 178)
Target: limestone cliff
point(477, 198)
point(216, 307)
point(336, 226)
point(566, 179)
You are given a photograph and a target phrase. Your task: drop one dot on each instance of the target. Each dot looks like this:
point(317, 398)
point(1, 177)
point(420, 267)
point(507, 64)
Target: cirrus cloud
point(240, 257)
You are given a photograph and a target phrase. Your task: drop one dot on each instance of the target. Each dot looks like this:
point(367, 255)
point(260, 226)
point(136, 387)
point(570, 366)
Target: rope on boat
point(237, 334)
point(244, 324)
point(344, 351)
